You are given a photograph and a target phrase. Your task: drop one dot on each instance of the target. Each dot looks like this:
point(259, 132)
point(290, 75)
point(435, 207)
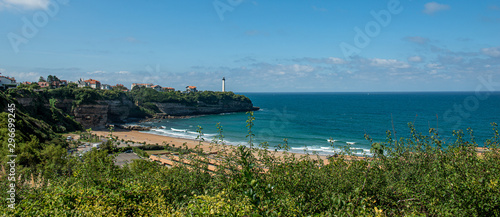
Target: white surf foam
point(178, 130)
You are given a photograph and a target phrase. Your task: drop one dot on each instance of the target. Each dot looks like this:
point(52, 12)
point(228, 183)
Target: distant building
point(7, 82)
point(95, 84)
point(167, 89)
point(43, 84)
point(26, 83)
point(223, 84)
point(156, 87)
point(190, 89)
point(140, 85)
point(106, 87)
point(81, 83)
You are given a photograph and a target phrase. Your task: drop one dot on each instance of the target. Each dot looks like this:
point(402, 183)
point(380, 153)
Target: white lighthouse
point(223, 84)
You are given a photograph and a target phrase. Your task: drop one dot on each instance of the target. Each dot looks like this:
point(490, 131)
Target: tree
point(41, 79)
point(72, 85)
point(108, 146)
point(29, 153)
point(55, 78)
point(53, 159)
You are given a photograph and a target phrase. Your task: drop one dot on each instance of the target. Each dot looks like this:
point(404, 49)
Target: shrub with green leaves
point(415, 176)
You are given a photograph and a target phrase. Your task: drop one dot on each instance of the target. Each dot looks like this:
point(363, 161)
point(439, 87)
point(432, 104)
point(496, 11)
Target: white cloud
point(21, 76)
point(25, 4)
point(328, 60)
point(336, 60)
point(415, 59)
point(434, 66)
point(433, 7)
point(96, 72)
point(292, 70)
point(491, 51)
point(123, 72)
point(302, 68)
point(388, 63)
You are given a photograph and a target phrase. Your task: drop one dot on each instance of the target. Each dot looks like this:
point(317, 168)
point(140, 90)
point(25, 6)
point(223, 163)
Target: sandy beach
point(138, 136)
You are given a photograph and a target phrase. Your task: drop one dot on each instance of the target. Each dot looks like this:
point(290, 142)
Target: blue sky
point(259, 46)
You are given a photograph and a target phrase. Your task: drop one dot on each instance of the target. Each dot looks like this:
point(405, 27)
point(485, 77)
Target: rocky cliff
point(94, 116)
point(103, 112)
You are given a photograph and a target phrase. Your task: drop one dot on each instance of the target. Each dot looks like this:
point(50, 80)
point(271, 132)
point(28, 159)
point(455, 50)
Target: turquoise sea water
point(309, 120)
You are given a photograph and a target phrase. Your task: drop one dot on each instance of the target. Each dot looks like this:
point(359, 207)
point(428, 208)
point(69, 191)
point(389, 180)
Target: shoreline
point(139, 137)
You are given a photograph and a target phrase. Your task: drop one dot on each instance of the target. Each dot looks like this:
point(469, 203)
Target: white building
point(106, 87)
point(95, 84)
point(156, 87)
point(7, 82)
point(140, 85)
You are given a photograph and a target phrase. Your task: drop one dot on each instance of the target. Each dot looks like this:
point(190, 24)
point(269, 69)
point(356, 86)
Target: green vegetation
point(415, 176)
point(140, 152)
point(40, 150)
point(419, 175)
point(143, 95)
point(143, 98)
point(44, 109)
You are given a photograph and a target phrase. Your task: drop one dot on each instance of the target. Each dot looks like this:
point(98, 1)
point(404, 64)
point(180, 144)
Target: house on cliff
point(7, 82)
point(140, 85)
point(95, 84)
point(156, 87)
point(190, 89)
point(167, 89)
point(43, 84)
point(106, 87)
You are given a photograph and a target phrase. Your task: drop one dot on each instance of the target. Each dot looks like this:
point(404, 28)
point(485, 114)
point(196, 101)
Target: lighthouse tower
point(223, 84)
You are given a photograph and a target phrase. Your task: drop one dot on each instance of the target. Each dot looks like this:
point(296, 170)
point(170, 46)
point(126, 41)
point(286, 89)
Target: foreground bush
point(420, 175)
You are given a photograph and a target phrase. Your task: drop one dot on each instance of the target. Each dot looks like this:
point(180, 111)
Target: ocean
point(311, 122)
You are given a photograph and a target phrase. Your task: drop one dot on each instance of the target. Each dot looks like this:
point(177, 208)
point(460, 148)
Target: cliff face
point(92, 116)
point(105, 112)
point(177, 109)
point(120, 110)
point(96, 116)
